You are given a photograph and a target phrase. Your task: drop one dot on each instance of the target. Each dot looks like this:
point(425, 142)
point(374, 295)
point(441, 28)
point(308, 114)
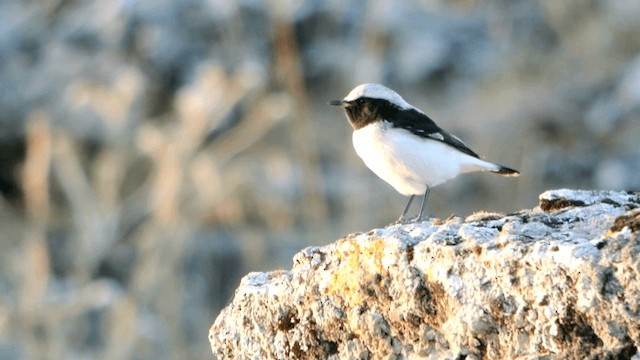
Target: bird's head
point(367, 103)
point(368, 92)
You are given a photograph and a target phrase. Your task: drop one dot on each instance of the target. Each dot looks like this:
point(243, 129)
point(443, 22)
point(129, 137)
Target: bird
point(404, 147)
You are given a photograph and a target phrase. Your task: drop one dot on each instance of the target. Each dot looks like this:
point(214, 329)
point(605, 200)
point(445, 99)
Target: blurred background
point(153, 152)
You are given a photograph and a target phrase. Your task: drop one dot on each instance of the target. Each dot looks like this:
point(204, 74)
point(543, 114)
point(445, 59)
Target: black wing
point(420, 124)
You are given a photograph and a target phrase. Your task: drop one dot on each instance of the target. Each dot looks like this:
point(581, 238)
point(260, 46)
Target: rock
point(558, 281)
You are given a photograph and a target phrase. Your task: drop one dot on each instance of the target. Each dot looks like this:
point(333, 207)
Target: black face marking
point(364, 111)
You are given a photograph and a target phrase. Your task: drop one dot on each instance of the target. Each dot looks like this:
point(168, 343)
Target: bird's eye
point(360, 101)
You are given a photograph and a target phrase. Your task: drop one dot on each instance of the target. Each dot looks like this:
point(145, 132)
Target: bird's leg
point(406, 209)
point(424, 203)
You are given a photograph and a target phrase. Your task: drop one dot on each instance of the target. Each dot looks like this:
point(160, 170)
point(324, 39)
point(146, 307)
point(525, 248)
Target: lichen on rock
point(559, 281)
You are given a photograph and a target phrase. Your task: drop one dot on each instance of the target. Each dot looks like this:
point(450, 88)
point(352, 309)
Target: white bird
point(404, 147)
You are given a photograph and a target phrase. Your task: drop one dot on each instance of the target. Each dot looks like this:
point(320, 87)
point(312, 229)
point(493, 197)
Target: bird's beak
point(338, 103)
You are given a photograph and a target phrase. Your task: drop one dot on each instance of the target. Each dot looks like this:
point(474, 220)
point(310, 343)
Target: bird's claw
point(413, 220)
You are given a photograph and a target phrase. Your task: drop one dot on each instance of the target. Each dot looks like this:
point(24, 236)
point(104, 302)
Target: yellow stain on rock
point(359, 260)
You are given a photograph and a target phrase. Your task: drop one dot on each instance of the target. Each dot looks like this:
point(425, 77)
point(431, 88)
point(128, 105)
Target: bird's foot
point(406, 221)
point(400, 221)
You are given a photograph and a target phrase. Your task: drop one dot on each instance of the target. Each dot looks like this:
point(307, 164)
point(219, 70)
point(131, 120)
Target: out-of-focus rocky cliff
point(555, 282)
point(152, 152)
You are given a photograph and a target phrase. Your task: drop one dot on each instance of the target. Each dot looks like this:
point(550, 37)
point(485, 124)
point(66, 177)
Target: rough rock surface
point(558, 281)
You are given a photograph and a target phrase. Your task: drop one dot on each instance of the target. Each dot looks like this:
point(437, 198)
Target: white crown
point(377, 91)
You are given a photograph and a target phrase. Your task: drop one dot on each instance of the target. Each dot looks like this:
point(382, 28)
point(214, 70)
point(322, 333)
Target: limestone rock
point(558, 281)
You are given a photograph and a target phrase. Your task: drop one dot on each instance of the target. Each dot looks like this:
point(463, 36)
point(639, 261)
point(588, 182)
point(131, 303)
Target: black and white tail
point(505, 171)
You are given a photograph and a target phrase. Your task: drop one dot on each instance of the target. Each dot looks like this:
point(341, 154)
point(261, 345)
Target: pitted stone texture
point(558, 281)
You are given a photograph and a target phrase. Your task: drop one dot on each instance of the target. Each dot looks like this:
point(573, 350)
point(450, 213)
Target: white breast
point(410, 163)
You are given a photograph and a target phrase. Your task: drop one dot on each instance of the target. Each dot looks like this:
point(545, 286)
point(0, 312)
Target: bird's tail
point(477, 164)
point(505, 171)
